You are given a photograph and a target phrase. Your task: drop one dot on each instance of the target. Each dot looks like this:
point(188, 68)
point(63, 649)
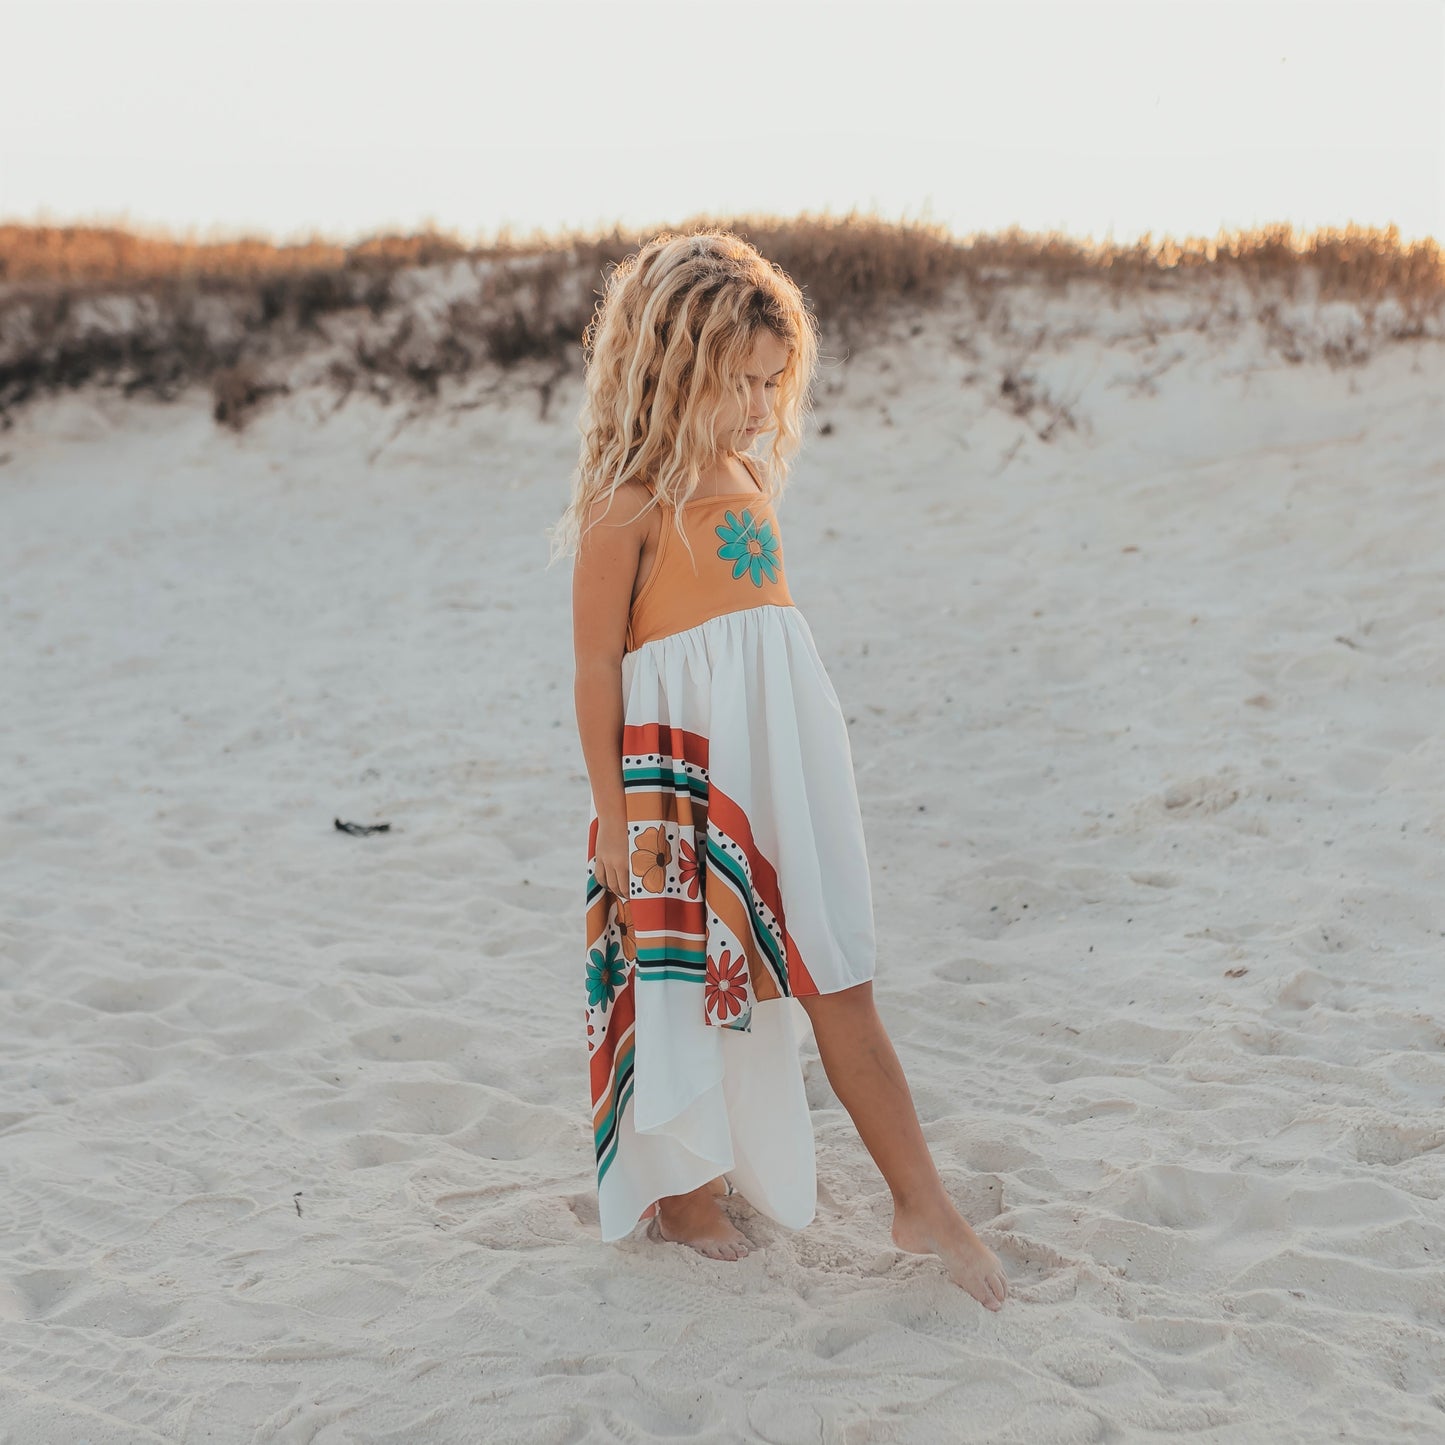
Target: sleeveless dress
point(748, 879)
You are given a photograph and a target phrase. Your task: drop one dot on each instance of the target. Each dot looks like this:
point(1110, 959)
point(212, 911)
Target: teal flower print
point(604, 975)
point(750, 547)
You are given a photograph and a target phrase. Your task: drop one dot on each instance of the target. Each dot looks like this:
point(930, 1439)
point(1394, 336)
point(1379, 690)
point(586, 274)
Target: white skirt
point(748, 888)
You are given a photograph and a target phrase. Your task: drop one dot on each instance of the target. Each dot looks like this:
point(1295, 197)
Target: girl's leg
point(864, 1071)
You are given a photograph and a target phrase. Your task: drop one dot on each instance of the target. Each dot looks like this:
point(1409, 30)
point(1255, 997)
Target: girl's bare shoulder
point(623, 507)
point(619, 527)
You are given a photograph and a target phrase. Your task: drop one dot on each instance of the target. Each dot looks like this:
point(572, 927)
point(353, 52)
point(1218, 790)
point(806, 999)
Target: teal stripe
point(682, 954)
point(727, 864)
point(611, 1154)
point(657, 774)
point(622, 1083)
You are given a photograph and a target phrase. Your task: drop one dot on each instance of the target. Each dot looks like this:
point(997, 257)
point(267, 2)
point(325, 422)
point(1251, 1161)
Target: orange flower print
point(726, 986)
point(625, 928)
point(687, 867)
point(650, 857)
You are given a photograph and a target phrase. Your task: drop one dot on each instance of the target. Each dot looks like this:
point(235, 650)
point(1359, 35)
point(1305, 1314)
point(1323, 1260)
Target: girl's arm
point(602, 580)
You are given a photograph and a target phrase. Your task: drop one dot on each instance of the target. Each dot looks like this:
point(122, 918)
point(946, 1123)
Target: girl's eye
point(772, 386)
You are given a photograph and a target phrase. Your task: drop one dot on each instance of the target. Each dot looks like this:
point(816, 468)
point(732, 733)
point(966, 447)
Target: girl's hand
point(610, 863)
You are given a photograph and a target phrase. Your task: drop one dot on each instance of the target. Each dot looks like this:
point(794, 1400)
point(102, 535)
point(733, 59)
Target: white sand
point(1147, 719)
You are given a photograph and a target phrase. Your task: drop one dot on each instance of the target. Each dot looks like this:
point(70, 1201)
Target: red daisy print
point(726, 986)
point(687, 867)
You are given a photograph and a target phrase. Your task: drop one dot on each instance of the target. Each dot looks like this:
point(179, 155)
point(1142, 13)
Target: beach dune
point(1139, 629)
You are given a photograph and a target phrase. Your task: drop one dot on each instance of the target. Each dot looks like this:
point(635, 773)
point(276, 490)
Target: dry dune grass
point(76, 255)
point(153, 313)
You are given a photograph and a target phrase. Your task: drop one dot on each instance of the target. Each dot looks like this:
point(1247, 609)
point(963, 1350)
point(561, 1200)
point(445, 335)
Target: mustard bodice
point(736, 562)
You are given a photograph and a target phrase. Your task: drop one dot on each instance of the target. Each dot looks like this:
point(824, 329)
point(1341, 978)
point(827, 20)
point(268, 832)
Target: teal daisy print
point(750, 547)
point(604, 975)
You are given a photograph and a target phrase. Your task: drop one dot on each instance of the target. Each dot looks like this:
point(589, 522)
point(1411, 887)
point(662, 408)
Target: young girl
point(727, 870)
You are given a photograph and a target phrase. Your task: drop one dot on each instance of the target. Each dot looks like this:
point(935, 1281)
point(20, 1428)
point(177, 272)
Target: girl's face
point(766, 365)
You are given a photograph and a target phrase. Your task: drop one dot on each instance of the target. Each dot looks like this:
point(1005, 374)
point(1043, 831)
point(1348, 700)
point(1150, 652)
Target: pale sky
point(346, 117)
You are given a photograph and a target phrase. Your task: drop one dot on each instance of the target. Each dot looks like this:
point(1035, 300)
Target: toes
point(725, 1249)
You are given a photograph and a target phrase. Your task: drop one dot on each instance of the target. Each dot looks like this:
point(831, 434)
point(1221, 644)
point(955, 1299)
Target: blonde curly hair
point(667, 351)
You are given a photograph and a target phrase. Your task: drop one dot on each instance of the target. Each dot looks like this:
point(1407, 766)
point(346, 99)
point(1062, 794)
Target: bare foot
point(939, 1228)
point(697, 1220)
